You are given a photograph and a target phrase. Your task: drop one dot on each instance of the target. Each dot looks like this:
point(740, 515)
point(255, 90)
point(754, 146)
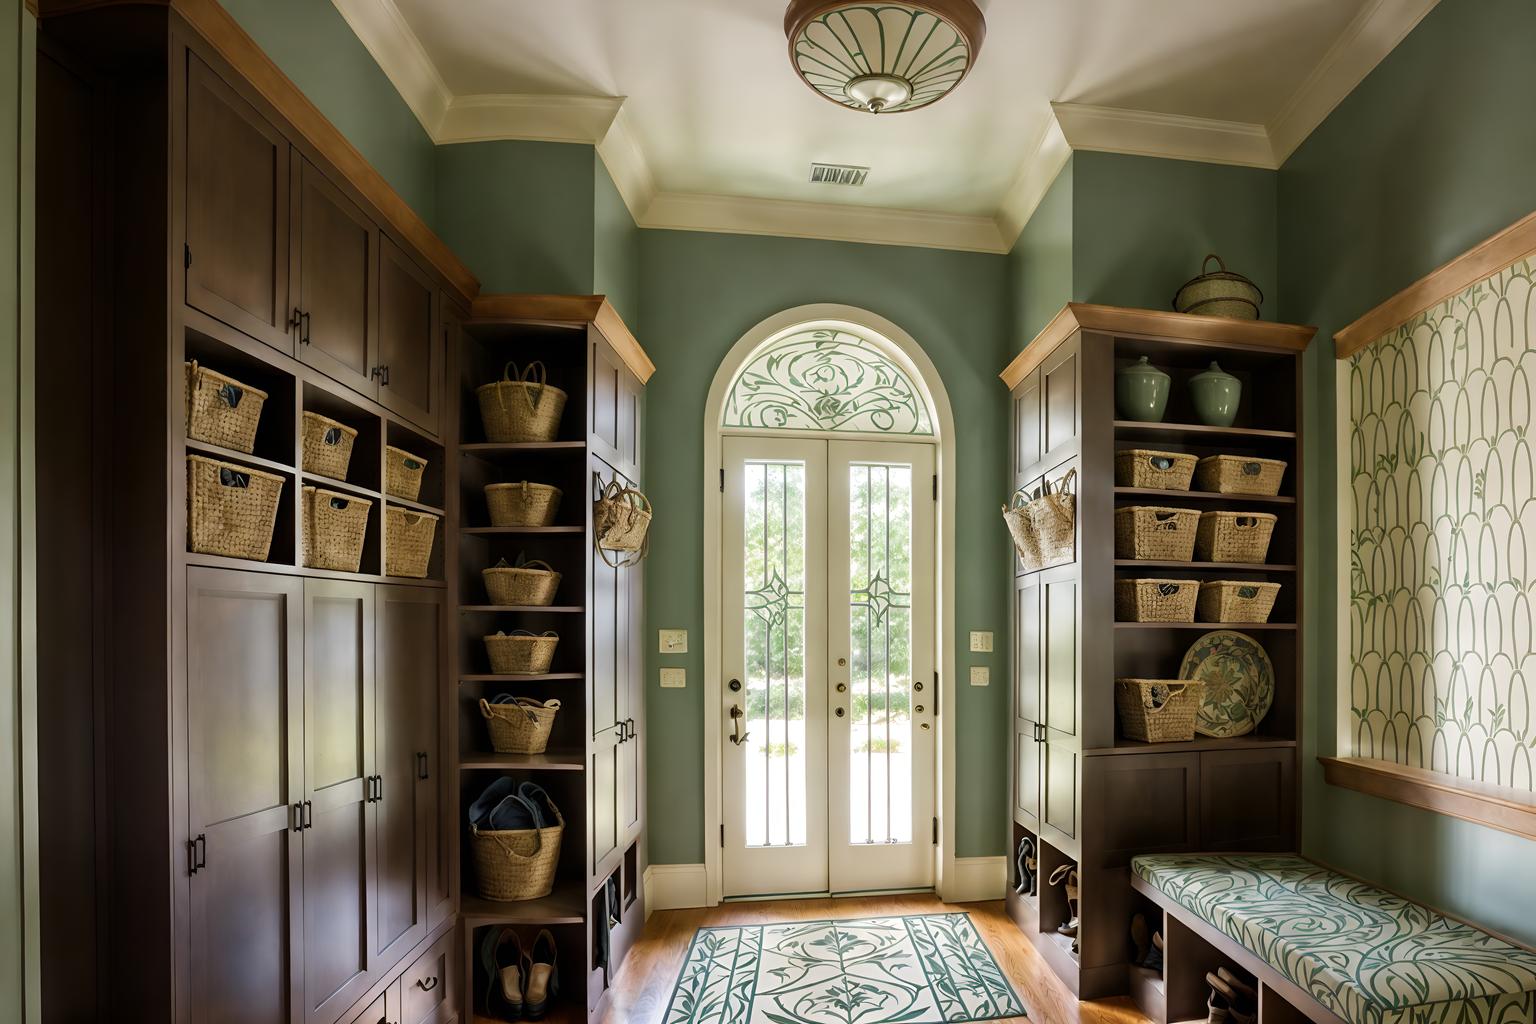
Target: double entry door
point(827, 627)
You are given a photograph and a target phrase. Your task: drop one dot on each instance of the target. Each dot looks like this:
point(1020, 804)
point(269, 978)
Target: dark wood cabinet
point(335, 270)
point(410, 342)
point(237, 212)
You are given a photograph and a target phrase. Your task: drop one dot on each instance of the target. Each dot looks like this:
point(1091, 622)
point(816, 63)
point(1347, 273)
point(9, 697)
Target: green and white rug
point(925, 969)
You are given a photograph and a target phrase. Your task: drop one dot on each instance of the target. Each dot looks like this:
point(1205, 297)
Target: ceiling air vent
point(838, 174)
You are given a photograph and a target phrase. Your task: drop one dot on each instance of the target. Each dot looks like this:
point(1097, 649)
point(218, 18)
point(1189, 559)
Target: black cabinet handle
point(378, 789)
point(309, 814)
point(427, 984)
point(197, 853)
point(385, 381)
point(296, 816)
point(421, 765)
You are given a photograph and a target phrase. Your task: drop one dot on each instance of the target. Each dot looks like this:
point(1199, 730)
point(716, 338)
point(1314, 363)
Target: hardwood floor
point(643, 987)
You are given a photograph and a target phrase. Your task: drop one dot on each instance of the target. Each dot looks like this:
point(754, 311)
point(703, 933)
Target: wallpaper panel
point(1442, 542)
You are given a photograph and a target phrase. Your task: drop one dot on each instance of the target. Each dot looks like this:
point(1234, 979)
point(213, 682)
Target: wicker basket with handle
point(517, 864)
point(231, 509)
point(519, 725)
point(1237, 600)
point(1150, 533)
point(521, 653)
point(327, 446)
point(402, 473)
point(1234, 536)
point(221, 410)
point(1156, 600)
point(530, 584)
point(1220, 292)
point(525, 407)
point(1158, 710)
point(408, 540)
point(1236, 474)
point(1043, 523)
point(335, 526)
point(1141, 467)
point(621, 522)
point(522, 504)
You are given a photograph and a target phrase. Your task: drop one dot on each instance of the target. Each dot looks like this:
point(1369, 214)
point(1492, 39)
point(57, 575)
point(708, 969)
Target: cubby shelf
point(514, 531)
point(530, 609)
point(562, 906)
point(491, 448)
point(414, 506)
point(554, 761)
point(547, 677)
point(1196, 433)
point(213, 451)
point(1253, 741)
point(1206, 625)
point(1202, 496)
point(316, 480)
point(1137, 563)
point(290, 569)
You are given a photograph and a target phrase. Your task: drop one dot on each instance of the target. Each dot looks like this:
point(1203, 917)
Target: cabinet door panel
point(1027, 654)
point(632, 697)
point(1059, 400)
point(1061, 656)
point(335, 253)
point(1247, 799)
point(410, 346)
point(1027, 428)
point(1142, 804)
point(237, 210)
point(1026, 776)
point(1059, 790)
point(339, 880)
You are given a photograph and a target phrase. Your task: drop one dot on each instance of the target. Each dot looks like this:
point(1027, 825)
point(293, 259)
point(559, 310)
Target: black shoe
point(543, 977)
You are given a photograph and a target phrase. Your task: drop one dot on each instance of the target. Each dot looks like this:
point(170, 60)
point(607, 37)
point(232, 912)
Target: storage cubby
point(567, 744)
point(275, 431)
point(365, 467)
point(569, 939)
point(431, 498)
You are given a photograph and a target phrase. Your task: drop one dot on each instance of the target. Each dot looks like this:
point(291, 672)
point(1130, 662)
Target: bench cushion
point(1367, 955)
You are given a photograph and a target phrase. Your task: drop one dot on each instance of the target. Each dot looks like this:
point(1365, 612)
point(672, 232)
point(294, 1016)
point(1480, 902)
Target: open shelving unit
point(1080, 790)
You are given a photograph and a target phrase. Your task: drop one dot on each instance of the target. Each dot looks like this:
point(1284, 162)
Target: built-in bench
point(1326, 947)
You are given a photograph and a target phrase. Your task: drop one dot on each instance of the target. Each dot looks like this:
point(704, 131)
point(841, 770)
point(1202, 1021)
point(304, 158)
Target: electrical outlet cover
point(673, 641)
point(981, 641)
point(981, 675)
point(674, 678)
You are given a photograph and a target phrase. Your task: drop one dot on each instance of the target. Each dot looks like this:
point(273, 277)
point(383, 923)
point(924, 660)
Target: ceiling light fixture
point(884, 57)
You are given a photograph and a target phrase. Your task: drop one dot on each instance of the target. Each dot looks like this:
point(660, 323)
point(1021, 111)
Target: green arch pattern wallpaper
point(1442, 484)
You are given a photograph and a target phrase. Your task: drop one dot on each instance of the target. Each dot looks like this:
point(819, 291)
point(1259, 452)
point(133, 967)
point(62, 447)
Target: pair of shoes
point(1149, 951)
point(519, 985)
point(1066, 876)
point(502, 807)
point(1027, 866)
point(1233, 1001)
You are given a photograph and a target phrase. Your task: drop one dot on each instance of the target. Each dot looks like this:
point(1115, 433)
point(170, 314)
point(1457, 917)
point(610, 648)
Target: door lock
point(842, 687)
point(738, 737)
point(734, 685)
point(839, 712)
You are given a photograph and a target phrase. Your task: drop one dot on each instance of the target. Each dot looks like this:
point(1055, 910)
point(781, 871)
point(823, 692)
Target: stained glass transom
point(826, 380)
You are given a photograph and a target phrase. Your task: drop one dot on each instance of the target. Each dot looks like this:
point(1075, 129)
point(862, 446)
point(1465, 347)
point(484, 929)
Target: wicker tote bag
point(621, 522)
point(524, 407)
point(1043, 523)
point(517, 864)
point(519, 725)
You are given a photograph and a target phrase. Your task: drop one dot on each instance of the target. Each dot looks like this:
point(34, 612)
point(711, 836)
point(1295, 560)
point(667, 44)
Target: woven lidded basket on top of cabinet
point(1220, 292)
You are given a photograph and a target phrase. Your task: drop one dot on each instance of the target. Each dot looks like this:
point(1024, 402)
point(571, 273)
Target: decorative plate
point(1239, 682)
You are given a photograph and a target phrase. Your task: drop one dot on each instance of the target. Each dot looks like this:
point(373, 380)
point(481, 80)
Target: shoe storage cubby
point(1080, 782)
point(565, 1005)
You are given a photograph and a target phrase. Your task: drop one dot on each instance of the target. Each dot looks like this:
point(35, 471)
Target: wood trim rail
point(1261, 335)
point(561, 309)
point(1508, 810)
point(1481, 261)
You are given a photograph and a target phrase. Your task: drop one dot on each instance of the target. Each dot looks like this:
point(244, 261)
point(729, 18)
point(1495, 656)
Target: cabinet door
point(410, 344)
point(244, 777)
point(1026, 776)
point(1247, 799)
point(1059, 688)
point(604, 689)
point(340, 820)
point(405, 751)
point(236, 209)
point(335, 253)
point(630, 622)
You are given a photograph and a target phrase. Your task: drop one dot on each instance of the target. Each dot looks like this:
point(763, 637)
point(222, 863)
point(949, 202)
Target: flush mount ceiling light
point(883, 57)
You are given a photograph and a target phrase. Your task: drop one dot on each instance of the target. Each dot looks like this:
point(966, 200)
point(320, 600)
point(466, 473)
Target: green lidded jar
point(1141, 392)
point(1215, 394)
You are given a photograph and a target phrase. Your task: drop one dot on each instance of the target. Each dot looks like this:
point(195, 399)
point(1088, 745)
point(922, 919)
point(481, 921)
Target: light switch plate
point(981, 641)
point(981, 675)
point(673, 641)
point(674, 678)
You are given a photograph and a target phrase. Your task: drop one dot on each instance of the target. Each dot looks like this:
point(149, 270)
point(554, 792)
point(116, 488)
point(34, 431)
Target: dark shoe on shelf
point(1236, 1009)
point(502, 959)
point(1027, 866)
point(543, 977)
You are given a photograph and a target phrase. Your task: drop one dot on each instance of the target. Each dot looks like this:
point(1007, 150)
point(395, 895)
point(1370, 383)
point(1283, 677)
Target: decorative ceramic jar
point(1141, 392)
point(1215, 394)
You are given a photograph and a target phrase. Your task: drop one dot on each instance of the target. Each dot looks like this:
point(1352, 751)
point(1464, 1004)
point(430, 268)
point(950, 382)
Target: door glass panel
point(880, 683)
point(774, 643)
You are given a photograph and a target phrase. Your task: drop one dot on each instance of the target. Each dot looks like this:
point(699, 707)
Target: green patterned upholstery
point(1363, 953)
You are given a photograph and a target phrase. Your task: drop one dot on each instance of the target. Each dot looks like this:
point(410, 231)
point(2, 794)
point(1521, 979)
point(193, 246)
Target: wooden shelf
point(1206, 625)
point(1137, 563)
point(491, 448)
point(553, 761)
point(1153, 492)
point(514, 609)
point(341, 486)
point(288, 569)
point(1197, 433)
point(213, 451)
point(513, 531)
point(415, 506)
point(1253, 741)
point(562, 906)
point(547, 677)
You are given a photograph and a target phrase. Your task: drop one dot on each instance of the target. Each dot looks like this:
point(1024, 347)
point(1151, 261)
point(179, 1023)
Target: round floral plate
point(1239, 682)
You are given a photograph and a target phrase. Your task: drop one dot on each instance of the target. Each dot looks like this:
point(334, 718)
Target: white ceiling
point(695, 100)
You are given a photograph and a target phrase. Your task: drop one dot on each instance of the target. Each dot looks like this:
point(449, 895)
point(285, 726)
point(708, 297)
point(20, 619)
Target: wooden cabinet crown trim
point(572, 309)
point(1509, 810)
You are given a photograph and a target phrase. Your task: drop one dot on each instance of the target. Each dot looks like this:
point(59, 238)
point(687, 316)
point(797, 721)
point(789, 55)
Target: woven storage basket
point(1219, 293)
point(1139, 467)
point(519, 726)
point(221, 410)
point(1236, 601)
point(408, 542)
point(1158, 710)
point(1156, 600)
point(1150, 533)
point(522, 504)
point(327, 446)
point(517, 864)
point(335, 526)
point(521, 653)
point(231, 509)
point(527, 583)
point(621, 521)
point(520, 408)
point(1233, 474)
point(402, 473)
point(1234, 536)
point(1043, 523)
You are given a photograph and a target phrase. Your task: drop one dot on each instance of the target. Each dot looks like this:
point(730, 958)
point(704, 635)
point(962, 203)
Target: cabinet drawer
point(426, 986)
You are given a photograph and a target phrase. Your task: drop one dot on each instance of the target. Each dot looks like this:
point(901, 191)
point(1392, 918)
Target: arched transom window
point(827, 380)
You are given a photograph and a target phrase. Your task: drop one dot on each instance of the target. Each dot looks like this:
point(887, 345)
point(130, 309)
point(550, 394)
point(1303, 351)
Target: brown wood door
point(631, 696)
point(340, 813)
point(410, 340)
point(245, 780)
point(609, 729)
point(237, 181)
point(335, 259)
point(405, 748)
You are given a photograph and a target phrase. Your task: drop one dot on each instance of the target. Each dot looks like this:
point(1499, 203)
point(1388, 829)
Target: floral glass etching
point(826, 380)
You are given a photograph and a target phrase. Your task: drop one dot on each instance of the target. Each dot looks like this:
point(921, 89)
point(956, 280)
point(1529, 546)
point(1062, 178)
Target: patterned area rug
point(924, 969)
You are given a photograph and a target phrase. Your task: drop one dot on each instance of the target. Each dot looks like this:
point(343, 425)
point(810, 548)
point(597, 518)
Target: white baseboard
point(675, 887)
point(976, 878)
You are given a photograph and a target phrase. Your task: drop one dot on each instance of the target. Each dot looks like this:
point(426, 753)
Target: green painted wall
point(1040, 264)
point(699, 294)
point(316, 48)
point(1431, 154)
point(616, 247)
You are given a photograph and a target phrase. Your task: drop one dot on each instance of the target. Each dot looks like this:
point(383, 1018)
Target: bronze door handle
point(737, 715)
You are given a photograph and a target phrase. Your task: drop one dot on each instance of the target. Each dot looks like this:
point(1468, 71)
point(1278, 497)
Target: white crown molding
point(1040, 169)
point(830, 221)
point(1374, 33)
point(1174, 136)
point(384, 32)
point(583, 119)
point(620, 152)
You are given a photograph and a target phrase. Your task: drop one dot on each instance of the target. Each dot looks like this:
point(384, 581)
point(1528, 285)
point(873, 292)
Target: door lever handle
point(737, 715)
